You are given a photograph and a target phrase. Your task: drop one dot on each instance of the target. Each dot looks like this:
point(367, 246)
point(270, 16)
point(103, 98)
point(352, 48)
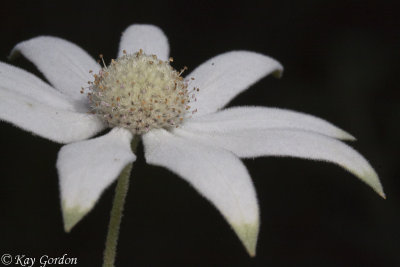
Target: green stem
point(117, 209)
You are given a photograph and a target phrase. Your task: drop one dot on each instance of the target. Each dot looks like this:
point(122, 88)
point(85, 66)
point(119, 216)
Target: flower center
point(140, 93)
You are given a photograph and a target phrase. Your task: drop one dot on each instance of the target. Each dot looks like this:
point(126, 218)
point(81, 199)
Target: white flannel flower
point(180, 121)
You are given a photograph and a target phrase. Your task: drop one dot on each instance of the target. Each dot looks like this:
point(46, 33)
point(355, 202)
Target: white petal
point(27, 84)
point(223, 77)
point(215, 173)
point(147, 37)
point(292, 143)
point(87, 168)
point(58, 125)
point(242, 118)
point(63, 63)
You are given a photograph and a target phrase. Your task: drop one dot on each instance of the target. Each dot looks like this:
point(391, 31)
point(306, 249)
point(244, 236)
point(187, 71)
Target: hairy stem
point(117, 209)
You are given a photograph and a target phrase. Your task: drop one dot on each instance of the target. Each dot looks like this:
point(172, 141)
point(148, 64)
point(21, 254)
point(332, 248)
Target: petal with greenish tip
point(215, 173)
point(72, 215)
point(290, 143)
point(248, 234)
point(258, 118)
point(150, 38)
point(223, 77)
point(87, 168)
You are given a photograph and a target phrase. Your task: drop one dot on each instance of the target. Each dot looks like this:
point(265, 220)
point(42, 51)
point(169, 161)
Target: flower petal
point(27, 84)
point(292, 143)
point(223, 77)
point(216, 174)
point(147, 37)
point(242, 118)
point(87, 168)
point(58, 125)
point(63, 63)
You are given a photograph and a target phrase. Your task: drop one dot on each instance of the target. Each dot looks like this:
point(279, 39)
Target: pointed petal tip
point(278, 73)
point(15, 51)
point(346, 136)
point(248, 235)
point(372, 179)
point(380, 191)
point(71, 216)
point(13, 54)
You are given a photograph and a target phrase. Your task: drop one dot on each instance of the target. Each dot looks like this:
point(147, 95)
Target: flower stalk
point(117, 209)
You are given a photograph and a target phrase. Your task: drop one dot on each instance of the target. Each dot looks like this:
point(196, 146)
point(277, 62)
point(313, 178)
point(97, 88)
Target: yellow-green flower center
point(140, 93)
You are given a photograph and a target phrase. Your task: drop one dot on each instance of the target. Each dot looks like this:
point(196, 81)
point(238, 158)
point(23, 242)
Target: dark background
point(341, 64)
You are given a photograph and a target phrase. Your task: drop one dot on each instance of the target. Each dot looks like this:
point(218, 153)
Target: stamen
point(102, 59)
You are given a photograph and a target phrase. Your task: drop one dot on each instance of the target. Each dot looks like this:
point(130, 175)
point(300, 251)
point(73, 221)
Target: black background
point(341, 64)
